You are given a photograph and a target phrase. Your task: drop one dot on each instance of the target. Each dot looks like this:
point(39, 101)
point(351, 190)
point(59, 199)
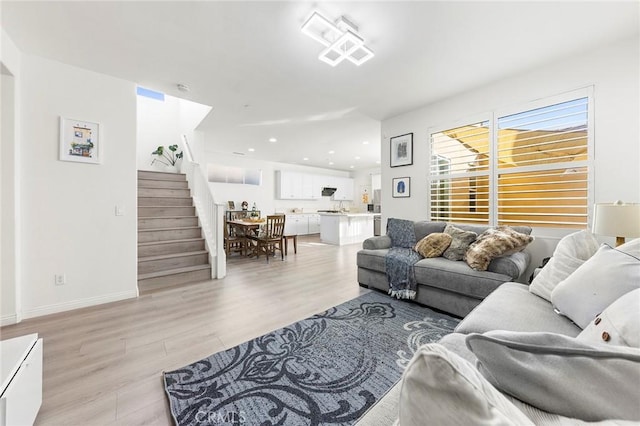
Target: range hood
point(328, 191)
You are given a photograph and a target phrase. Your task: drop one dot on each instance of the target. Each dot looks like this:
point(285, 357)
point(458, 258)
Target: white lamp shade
point(617, 219)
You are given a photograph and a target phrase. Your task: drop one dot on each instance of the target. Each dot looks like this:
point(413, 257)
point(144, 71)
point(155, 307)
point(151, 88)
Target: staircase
point(171, 250)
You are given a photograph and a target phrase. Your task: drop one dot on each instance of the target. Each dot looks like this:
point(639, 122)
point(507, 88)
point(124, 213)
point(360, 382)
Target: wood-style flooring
point(103, 365)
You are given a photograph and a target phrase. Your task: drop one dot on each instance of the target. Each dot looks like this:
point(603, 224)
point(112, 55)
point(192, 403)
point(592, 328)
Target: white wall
point(10, 59)
point(363, 182)
point(163, 123)
point(613, 71)
point(264, 195)
point(68, 209)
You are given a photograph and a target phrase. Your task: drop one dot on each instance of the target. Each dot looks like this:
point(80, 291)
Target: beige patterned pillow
point(493, 243)
point(433, 245)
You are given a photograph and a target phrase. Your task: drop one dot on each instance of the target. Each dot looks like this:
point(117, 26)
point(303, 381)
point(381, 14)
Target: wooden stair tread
point(171, 256)
point(173, 271)
point(185, 240)
point(162, 173)
point(179, 228)
point(167, 217)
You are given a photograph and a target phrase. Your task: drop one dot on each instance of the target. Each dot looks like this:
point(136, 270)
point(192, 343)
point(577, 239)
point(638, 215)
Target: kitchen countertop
point(347, 214)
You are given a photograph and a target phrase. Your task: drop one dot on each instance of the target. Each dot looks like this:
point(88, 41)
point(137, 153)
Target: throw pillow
point(619, 324)
point(631, 247)
point(596, 284)
point(493, 243)
point(570, 253)
point(401, 233)
point(460, 241)
point(433, 245)
point(443, 388)
point(560, 374)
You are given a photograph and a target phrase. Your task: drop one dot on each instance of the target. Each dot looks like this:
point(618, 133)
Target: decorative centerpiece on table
point(254, 216)
point(245, 205)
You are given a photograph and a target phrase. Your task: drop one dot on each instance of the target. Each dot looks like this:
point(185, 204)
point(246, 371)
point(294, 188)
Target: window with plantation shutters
point(459, 174)
point(542, 166)
point(530, 167)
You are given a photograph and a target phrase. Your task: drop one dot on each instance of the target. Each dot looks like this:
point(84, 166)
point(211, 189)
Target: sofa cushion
point(560, 374)
point(456, 277)
point(422, 228)
point(596, 284)
point(442, 387)
point(570, 253)
point(372, 259)
point(512, 307)
point(493, 243)
point(377, 242)
point(433, 245)
point(401, 233)
point(460, 241)
point(619, 324)
point(512, 266)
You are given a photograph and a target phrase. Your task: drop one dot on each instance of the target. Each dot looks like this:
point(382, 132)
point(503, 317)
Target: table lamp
point(617, 219)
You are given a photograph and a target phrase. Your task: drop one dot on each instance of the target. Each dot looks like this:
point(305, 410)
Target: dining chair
point(233, 240)
point(269, 237)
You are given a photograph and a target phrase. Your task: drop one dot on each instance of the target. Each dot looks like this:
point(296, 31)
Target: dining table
point(246, 226)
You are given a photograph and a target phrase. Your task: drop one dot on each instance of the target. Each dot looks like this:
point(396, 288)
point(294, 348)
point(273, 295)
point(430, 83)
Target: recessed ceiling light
point(331, 163)
point(351, 167)
point(357, 158)
point(378, 162)
point(305, 159)
point(251, 149)
point(332, 152)
point(365, 143)
point(273, 140)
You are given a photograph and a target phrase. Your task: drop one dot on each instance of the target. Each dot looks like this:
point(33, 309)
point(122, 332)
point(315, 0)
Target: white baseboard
point(8, 320)
point(76, 304)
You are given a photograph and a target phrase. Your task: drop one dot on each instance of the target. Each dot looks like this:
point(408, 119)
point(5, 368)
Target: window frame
point(492, 118)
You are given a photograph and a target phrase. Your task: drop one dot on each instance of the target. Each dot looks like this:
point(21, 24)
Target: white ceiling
point(261, 75)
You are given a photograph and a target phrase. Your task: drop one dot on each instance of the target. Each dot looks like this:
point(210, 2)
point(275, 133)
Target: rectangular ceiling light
point(341, 40)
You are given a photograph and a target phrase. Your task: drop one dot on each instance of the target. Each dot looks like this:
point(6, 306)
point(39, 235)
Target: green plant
point(168, 158)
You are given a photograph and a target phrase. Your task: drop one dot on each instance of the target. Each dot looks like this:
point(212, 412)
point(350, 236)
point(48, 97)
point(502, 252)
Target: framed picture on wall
point(80, 141)
point(401, 150)
point(401, 187)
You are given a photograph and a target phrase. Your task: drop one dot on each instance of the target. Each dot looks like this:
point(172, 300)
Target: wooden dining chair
point(233, 240)
point(269, 237)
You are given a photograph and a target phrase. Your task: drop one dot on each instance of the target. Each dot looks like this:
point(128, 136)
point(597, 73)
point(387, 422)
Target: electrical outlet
point(60, 279)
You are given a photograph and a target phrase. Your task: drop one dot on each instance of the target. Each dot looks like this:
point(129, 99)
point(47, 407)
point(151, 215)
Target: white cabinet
point(296, 224)
point(295, 186)
point(21, 375)
point(344, 189)
point(314, 224)
point(304, 186)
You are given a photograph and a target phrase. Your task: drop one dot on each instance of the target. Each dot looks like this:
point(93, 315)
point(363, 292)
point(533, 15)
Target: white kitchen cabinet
point(288, 185)
point(296, 224)
point(314, 224)
point(21, 375)
point(344, 189)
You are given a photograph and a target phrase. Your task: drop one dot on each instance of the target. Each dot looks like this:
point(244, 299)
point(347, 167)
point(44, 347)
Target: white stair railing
point(210, 213)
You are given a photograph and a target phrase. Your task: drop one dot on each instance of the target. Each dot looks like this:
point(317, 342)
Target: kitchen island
point(345, 228)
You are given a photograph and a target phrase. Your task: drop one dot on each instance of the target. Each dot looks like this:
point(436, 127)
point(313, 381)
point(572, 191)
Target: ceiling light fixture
point(305, 159)
point(183, 87)
point(273, 140)
point(341, 40)
point(251, 149)
point(332, 152)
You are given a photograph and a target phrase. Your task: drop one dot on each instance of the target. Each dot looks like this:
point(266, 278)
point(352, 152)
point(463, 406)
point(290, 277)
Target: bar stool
point(286, 243)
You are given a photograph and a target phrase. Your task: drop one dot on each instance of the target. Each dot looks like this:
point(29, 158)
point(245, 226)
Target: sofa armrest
point(375, 243)
point(513, 265)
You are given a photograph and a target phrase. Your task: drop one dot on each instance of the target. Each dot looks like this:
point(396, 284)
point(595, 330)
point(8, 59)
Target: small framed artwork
point(231, 205)
point(401, 187)
point(80, 141)
point(401, 150)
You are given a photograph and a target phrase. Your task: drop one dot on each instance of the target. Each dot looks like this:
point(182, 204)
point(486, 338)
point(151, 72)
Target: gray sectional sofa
point(449, 286)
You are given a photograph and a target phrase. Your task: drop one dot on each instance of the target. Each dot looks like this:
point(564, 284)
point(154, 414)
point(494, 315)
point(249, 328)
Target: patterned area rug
point(326, 369)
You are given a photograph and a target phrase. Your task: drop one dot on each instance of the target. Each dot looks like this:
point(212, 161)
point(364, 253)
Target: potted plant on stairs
point(167, 157)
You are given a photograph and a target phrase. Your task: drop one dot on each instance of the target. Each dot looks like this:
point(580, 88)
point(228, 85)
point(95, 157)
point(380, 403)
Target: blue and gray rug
point(326, 369)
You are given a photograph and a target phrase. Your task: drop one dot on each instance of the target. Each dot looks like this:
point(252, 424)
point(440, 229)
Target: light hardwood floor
point(103, 365)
